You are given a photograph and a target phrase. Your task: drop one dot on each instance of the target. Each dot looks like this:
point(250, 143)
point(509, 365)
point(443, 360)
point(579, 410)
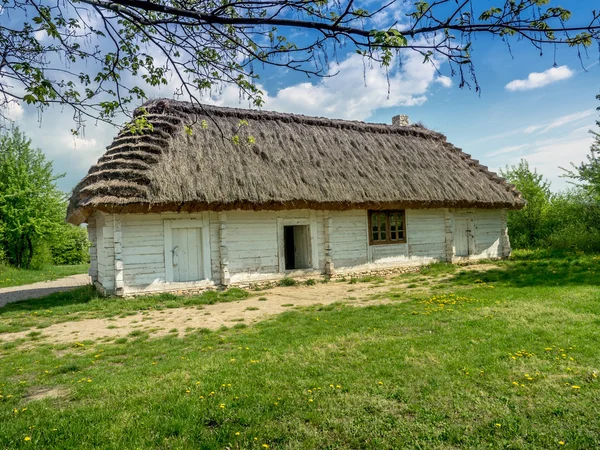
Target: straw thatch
point(188, 161)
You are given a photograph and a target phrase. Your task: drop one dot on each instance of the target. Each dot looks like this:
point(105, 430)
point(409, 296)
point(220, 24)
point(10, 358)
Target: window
point(387, 227)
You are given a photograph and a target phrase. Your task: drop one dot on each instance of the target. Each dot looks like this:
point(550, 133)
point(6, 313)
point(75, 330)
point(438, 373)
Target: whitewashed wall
point(105, 251)
point(91, 230)
point(487, 233)
point(254, 242)
point(251, 243)
point(425, 241)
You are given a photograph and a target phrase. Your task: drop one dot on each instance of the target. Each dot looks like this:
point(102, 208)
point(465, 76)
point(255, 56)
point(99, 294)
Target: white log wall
point(250, 244)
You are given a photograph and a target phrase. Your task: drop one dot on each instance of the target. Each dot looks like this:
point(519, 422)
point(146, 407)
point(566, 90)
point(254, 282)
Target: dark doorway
point(296, 240)
point(288, 237)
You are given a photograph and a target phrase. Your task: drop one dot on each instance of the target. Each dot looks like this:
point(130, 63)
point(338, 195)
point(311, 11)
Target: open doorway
point(296, 241)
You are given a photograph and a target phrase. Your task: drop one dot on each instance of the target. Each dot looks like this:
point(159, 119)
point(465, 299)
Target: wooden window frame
point(388, 233)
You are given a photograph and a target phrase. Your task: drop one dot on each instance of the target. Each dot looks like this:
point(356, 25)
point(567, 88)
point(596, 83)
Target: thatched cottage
point(207, 196)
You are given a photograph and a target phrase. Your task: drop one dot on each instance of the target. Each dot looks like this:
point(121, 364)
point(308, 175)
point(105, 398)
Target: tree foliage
point(100, 56)
point(568, 220)
point(527, 225)
point(31, 206)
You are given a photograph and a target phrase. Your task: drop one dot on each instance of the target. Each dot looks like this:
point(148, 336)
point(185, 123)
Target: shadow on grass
point(565, 271)
point(86, 299)
point(75, 296)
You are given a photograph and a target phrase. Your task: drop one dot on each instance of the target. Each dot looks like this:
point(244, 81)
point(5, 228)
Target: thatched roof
point(188, 161)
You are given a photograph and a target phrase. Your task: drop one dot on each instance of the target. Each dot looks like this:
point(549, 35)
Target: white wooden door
point(187, 254)
point(461, 237)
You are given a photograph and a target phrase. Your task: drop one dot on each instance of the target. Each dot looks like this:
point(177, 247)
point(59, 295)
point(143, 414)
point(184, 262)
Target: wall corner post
point(223, 251)
point(504, 240)
point(118, 238)
point(328, 225)
point(449, 238)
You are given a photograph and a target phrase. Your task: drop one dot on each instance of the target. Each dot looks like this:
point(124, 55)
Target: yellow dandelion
point(576, 387)
point(265, 446)
point(515, 383)
point(27, 438)
point(310, 400)
point(498, 425)
point(380, 382)
point(237, 433)
point(222, 406)
point(561, 443)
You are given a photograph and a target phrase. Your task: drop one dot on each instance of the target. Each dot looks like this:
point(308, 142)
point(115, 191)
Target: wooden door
point(302, 247)
point(461, 237)
point(187, 254)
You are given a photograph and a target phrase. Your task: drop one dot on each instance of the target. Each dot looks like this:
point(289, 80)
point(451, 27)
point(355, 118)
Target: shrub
point(70, 246)
point(287, 282)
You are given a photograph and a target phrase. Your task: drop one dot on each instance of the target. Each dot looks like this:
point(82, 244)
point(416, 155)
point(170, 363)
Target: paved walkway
point(42, 289)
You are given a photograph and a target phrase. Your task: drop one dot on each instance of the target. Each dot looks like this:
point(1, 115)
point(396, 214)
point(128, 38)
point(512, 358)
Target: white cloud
point(505, 150)
point(539, 79)
point(560, 121)
point(40, 35)
point(12, 111)
point(549, 157)
point(444, 81)
point(354, 93)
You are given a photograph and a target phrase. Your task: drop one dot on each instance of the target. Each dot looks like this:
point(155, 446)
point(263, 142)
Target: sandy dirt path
point(42, 289)
point(159, 323)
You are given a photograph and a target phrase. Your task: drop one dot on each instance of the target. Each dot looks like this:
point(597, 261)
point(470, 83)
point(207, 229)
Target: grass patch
point(490, 360)
point(440, 268)
point(11, 276)
point(371, 279)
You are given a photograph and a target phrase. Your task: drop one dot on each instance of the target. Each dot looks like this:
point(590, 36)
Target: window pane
point(393, 235)
point(382, 227)
point(374, 228)
point(401, 225)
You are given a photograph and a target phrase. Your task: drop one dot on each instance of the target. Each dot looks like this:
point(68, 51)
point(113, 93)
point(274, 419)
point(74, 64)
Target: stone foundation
point(338, 275)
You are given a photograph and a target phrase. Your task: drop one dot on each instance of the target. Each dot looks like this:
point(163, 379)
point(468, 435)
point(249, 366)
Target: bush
point(287, 282)
point(70, 246)
point(42, 256)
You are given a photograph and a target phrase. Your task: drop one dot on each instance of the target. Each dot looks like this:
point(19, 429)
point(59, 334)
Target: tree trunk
point(19, 248)
point(30, 256)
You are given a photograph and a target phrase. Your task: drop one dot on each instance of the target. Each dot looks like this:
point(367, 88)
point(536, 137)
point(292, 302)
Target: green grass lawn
point(502, 358)
point(11, 276)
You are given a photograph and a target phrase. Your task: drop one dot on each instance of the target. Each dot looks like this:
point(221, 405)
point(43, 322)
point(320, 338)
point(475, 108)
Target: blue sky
point(539, 108)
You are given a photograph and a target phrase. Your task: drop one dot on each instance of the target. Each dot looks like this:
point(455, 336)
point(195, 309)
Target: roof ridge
point(163, 105)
